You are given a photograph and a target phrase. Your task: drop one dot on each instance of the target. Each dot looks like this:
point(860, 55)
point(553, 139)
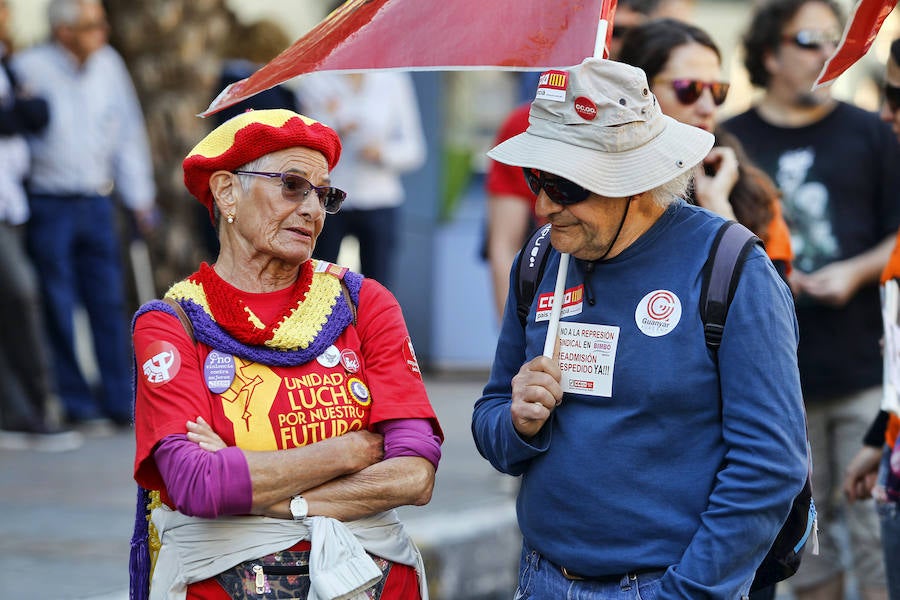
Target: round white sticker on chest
point(658, 313)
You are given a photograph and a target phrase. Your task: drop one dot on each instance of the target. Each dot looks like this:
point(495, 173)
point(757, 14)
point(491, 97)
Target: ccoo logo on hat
point(604, 131)
point(585, 108)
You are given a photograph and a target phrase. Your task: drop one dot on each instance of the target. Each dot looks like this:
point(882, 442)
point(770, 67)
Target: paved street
point(66, 519)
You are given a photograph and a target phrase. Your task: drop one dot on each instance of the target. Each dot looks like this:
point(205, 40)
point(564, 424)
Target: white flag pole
point(600, 42)
point(558, 294)
point(607, 13)
point(560, 289)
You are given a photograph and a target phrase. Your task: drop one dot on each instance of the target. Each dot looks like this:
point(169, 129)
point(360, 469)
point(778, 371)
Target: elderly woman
point(280, 413)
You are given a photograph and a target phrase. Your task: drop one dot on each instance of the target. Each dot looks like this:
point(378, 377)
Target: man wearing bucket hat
point(510, 202)
point(280, 413)
point(647, 464)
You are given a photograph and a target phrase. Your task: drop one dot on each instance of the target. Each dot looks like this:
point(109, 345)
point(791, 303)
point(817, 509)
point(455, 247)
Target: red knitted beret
point(248, 136)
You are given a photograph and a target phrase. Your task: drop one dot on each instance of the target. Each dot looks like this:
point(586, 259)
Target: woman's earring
point(230, 218)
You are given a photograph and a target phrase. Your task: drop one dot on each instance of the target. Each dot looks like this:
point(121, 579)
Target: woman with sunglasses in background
point(684, 66)
point(280, 413)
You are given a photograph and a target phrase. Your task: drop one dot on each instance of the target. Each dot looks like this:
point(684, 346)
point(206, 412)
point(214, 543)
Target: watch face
point(299, 507)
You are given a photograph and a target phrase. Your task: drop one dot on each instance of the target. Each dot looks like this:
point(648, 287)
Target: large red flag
point(435, 34)
point(862, 27)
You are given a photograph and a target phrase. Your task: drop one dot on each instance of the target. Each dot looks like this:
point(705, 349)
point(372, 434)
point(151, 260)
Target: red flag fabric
point(862, 27)
point(434, 34)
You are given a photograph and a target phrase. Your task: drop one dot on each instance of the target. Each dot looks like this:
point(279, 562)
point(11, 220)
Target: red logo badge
point(350, 360)
point(661, 305)
point(585, 108)
point(160, 363)
point(409, 353)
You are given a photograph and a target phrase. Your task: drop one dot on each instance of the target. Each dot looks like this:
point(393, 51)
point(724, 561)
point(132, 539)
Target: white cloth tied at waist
point(193, 549)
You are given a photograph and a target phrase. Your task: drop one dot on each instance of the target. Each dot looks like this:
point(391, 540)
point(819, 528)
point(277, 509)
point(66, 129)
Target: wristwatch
point(299, 507)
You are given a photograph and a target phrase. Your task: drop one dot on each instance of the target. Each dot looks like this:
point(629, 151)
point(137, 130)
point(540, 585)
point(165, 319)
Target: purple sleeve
point(410, 437)
point(201, 483)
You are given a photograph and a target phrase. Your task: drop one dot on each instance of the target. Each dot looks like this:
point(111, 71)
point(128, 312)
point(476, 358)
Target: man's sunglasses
point(892, 97)
point(688, 91)
point(811, 39)
point(559, 190)
point(296, 189)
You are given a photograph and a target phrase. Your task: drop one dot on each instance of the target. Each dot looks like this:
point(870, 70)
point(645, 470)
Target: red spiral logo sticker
point(658, 313)
point(661, 305)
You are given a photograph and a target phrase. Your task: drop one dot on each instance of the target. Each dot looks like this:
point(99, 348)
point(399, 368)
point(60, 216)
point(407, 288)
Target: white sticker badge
point(330, 357)
point(552, 86)
point(658, 313)
point(587, 357)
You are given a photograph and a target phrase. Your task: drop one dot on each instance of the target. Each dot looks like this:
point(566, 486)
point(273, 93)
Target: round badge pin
point(585, 108)
point(161, 363)
point(330, 358)
point(218, 371)
point(350, 360)
point(658, 313)
point(359, 391)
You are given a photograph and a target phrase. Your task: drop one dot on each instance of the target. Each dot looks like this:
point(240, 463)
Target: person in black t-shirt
point(835, 165)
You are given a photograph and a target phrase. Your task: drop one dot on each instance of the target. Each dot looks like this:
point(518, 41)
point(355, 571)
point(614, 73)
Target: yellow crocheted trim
point(254, 320)
point(297, 330)
point(305, 322)
point(152, 534)
point(188, 290)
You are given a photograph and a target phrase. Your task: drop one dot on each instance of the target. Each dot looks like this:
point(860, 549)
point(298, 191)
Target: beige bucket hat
point(597, 124)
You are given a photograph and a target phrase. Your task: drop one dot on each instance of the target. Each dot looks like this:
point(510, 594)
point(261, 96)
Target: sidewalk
point(66, 519)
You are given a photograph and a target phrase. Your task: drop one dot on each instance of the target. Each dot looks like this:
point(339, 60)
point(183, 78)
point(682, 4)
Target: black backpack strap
point(721, 274)
point(532, 261)
point(720, 277)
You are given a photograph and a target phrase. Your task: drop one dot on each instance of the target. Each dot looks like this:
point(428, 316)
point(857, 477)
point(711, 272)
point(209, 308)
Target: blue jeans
point(540, 579)
point(889, 516)
point(73, 241)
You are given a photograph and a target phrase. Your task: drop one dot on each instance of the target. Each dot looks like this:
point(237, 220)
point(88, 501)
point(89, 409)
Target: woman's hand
point(711, 191)
point(201, 433)
point(367, 448)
